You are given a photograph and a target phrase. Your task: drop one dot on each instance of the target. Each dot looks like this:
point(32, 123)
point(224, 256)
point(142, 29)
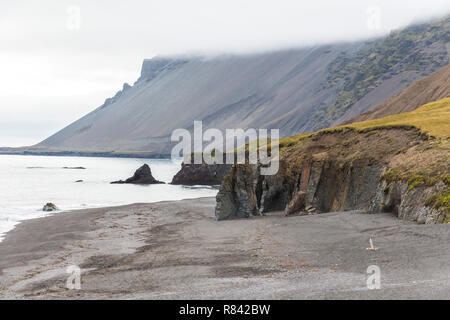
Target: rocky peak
point(118, 94)
point(151, 67)
point(125, 87)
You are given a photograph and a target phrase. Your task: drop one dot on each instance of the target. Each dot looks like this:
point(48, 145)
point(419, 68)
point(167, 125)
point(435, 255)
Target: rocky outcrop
point(323, 185)
point(321, 175)
point(237, 196)
point(297, 203)
point(152, 67)
point(410, 202)
point(143, 175)
point(201, 174)
point(116, 97)
point(49, 207)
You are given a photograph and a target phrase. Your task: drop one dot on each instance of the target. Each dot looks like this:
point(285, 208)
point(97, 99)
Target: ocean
point(27, 183)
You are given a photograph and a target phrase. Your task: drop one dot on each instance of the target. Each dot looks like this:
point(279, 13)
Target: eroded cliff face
point(410, 203)
point(237, 195)
point(326, 185)
point(335, 171)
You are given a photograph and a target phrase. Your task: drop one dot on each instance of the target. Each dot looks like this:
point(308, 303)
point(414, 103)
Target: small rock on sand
point(49, 207)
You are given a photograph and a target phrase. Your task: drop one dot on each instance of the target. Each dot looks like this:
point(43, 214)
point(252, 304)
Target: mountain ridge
point(296, 90)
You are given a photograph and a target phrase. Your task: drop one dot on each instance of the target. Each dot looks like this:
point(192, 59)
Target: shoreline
point(29, 182)
point(105, 154)
point(177, 250)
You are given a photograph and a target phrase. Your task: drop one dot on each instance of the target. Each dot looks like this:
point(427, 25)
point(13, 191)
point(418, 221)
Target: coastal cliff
point(398, 164)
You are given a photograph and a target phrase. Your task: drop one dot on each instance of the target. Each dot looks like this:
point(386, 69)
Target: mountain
point(297, 90)
point(431, 88)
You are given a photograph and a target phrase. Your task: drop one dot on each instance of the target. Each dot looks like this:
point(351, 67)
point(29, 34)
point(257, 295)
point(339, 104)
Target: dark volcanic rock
point(49, 207)
point(297, 203)
point(237, 197)
point(331, 172)
point(325, 185)
point(201, 174)
point(143, 175)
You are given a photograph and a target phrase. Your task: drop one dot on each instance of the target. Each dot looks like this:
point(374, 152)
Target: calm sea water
point(28, 182)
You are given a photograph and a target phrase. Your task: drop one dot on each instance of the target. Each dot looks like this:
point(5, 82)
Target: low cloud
point(57, 50)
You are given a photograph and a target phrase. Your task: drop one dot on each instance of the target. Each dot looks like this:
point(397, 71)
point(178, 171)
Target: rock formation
point(143, 175)
point(330, 186)
point(201, 174)
point(395, 169)
point(237, 196)
point(297, 203)
point(49, 207)
point(409, 202)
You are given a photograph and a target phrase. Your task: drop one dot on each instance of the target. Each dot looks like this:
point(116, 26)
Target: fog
point(60, 59)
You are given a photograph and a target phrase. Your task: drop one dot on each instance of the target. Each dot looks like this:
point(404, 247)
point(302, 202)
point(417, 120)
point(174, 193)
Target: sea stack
point(143, 175)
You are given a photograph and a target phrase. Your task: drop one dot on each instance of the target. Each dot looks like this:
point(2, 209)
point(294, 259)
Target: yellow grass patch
point(432, 119)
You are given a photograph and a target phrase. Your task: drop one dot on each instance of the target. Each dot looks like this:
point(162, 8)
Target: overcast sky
point(60, 59)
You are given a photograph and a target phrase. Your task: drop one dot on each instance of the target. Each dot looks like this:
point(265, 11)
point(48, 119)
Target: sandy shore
point(176, 250)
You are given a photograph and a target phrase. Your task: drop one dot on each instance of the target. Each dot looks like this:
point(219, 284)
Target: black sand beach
point(176, 250)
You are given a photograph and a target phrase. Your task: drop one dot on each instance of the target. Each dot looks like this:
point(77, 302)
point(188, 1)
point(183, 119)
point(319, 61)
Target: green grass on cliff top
point(432, 119)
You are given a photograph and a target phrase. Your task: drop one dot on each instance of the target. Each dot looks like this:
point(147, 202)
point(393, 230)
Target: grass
point(432, 119)
point(440, 201)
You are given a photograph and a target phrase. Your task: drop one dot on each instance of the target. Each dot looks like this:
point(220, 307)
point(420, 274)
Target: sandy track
point(176, 250)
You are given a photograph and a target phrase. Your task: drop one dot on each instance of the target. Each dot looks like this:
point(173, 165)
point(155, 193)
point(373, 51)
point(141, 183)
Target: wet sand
point(176, 250)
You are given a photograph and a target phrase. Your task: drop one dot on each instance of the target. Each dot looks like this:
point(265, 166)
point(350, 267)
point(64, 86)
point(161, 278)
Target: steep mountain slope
point(417, 49)
point(225, 92)
point(296, 91)
point(431, 88)
point(397, 164)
